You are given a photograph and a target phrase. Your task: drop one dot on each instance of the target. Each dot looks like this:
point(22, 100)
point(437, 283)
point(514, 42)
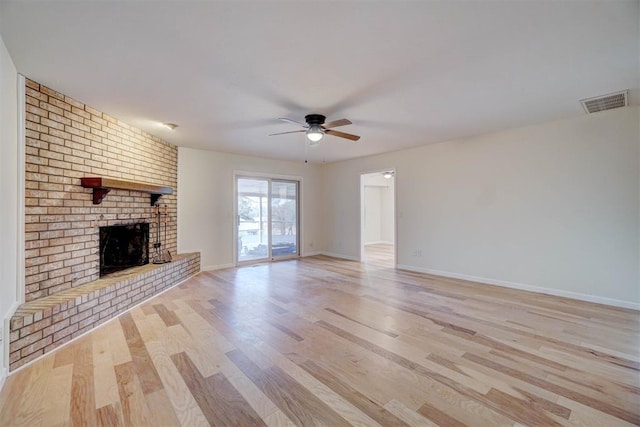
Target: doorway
point(377, 225)
point(267, 219)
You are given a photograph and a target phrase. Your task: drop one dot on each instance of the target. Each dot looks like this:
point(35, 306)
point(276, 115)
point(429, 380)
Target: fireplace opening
point(123, 246)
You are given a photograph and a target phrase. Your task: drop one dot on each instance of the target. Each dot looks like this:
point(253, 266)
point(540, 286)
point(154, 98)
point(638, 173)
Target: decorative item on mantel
point(102, 185)
point(160, 257)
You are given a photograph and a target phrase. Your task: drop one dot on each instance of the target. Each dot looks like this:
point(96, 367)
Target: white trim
point(314, 253)
point(266, 175)
point(217, 267)
point(20, 274)
point(3, 376)
point(269, 177)
point(379, 242)
point(20, 221)
point(6, 329)
point(395, 214)
point(100, 325)
point(341, 256)
point(525, 287)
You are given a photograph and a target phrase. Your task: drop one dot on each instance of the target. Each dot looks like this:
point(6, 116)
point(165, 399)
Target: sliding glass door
point(267, 219)
point(284, 218)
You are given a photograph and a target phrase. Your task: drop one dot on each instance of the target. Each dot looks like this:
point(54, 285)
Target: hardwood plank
point(109, 415)
point(83, 404)
point(359, 400)
point(286, 330)
point(278, 419)
point(145, 370)
point(58, 411)
point(135, 411)
point(408, 416)
point(12, 394)
point(160, 409)
point(251, 393)
point(219, 400)
point(167, 316)
point(391, 334)
point(105, 383)
point(295, 401)
point(439, 417)
point(117, 342)
point(290, 366)
point(30, 410)
point(183, 403)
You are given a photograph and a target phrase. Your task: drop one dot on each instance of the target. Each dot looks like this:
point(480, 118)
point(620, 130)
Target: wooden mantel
point(101, 187)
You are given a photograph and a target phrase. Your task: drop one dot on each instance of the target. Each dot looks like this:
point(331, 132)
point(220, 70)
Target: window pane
point(284, 217)
point(253, 219)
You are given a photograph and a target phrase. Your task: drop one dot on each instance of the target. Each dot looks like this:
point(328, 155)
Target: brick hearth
point(40, 326)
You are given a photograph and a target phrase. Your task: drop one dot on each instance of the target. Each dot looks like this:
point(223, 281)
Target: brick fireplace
point(64, 297)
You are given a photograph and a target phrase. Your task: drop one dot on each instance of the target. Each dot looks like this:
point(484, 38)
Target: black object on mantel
point(101, 187)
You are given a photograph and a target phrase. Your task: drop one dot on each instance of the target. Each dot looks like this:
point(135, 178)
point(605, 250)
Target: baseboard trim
point(315, 253)
point(379, 242)
point(525, 287)
point(217, 267)
point(341, 256)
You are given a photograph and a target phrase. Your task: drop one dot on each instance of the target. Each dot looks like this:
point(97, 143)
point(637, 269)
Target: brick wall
point(67, 140)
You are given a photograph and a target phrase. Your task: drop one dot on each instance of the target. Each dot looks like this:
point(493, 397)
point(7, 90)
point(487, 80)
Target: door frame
point(395, 212)
point(234, 222)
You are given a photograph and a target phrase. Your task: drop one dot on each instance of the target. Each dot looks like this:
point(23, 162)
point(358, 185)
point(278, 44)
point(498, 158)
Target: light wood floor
point(320, 341)
point(379, 255)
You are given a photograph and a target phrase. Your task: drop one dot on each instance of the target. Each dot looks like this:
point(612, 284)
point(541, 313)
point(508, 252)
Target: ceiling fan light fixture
point(315, 133)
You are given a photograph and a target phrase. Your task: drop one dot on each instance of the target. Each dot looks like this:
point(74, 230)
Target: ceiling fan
point(316, 128)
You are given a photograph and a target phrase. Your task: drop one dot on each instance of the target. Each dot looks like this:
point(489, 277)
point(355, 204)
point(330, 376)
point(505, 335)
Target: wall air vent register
point(606, 102)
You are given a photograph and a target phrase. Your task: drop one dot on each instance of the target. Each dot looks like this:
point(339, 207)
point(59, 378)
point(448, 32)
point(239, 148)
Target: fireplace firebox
point(123, 246)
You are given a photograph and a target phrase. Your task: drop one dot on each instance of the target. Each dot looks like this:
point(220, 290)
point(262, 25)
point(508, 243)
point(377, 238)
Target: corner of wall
point(11, 192)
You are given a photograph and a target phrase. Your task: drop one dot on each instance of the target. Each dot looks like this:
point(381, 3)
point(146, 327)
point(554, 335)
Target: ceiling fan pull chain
point(306, 148)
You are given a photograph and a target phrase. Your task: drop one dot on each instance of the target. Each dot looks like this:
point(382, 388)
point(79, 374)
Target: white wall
point(206, 201)
point(387, 221)
point(8, 192)
point(378, 206)
point(371, 214)
point(550, 207)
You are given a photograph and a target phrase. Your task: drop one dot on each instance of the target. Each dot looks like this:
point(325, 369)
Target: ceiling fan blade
point(336, 123)
point(345, 135)
point(284, 119)
point(284, 133)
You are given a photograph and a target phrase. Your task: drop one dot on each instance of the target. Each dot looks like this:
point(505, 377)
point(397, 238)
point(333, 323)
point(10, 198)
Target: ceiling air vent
point(606, 102)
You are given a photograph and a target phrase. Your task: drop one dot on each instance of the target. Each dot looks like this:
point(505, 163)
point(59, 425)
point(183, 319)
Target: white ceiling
point(406, 73)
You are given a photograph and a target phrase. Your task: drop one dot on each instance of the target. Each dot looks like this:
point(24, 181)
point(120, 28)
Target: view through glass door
point(267, 219)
